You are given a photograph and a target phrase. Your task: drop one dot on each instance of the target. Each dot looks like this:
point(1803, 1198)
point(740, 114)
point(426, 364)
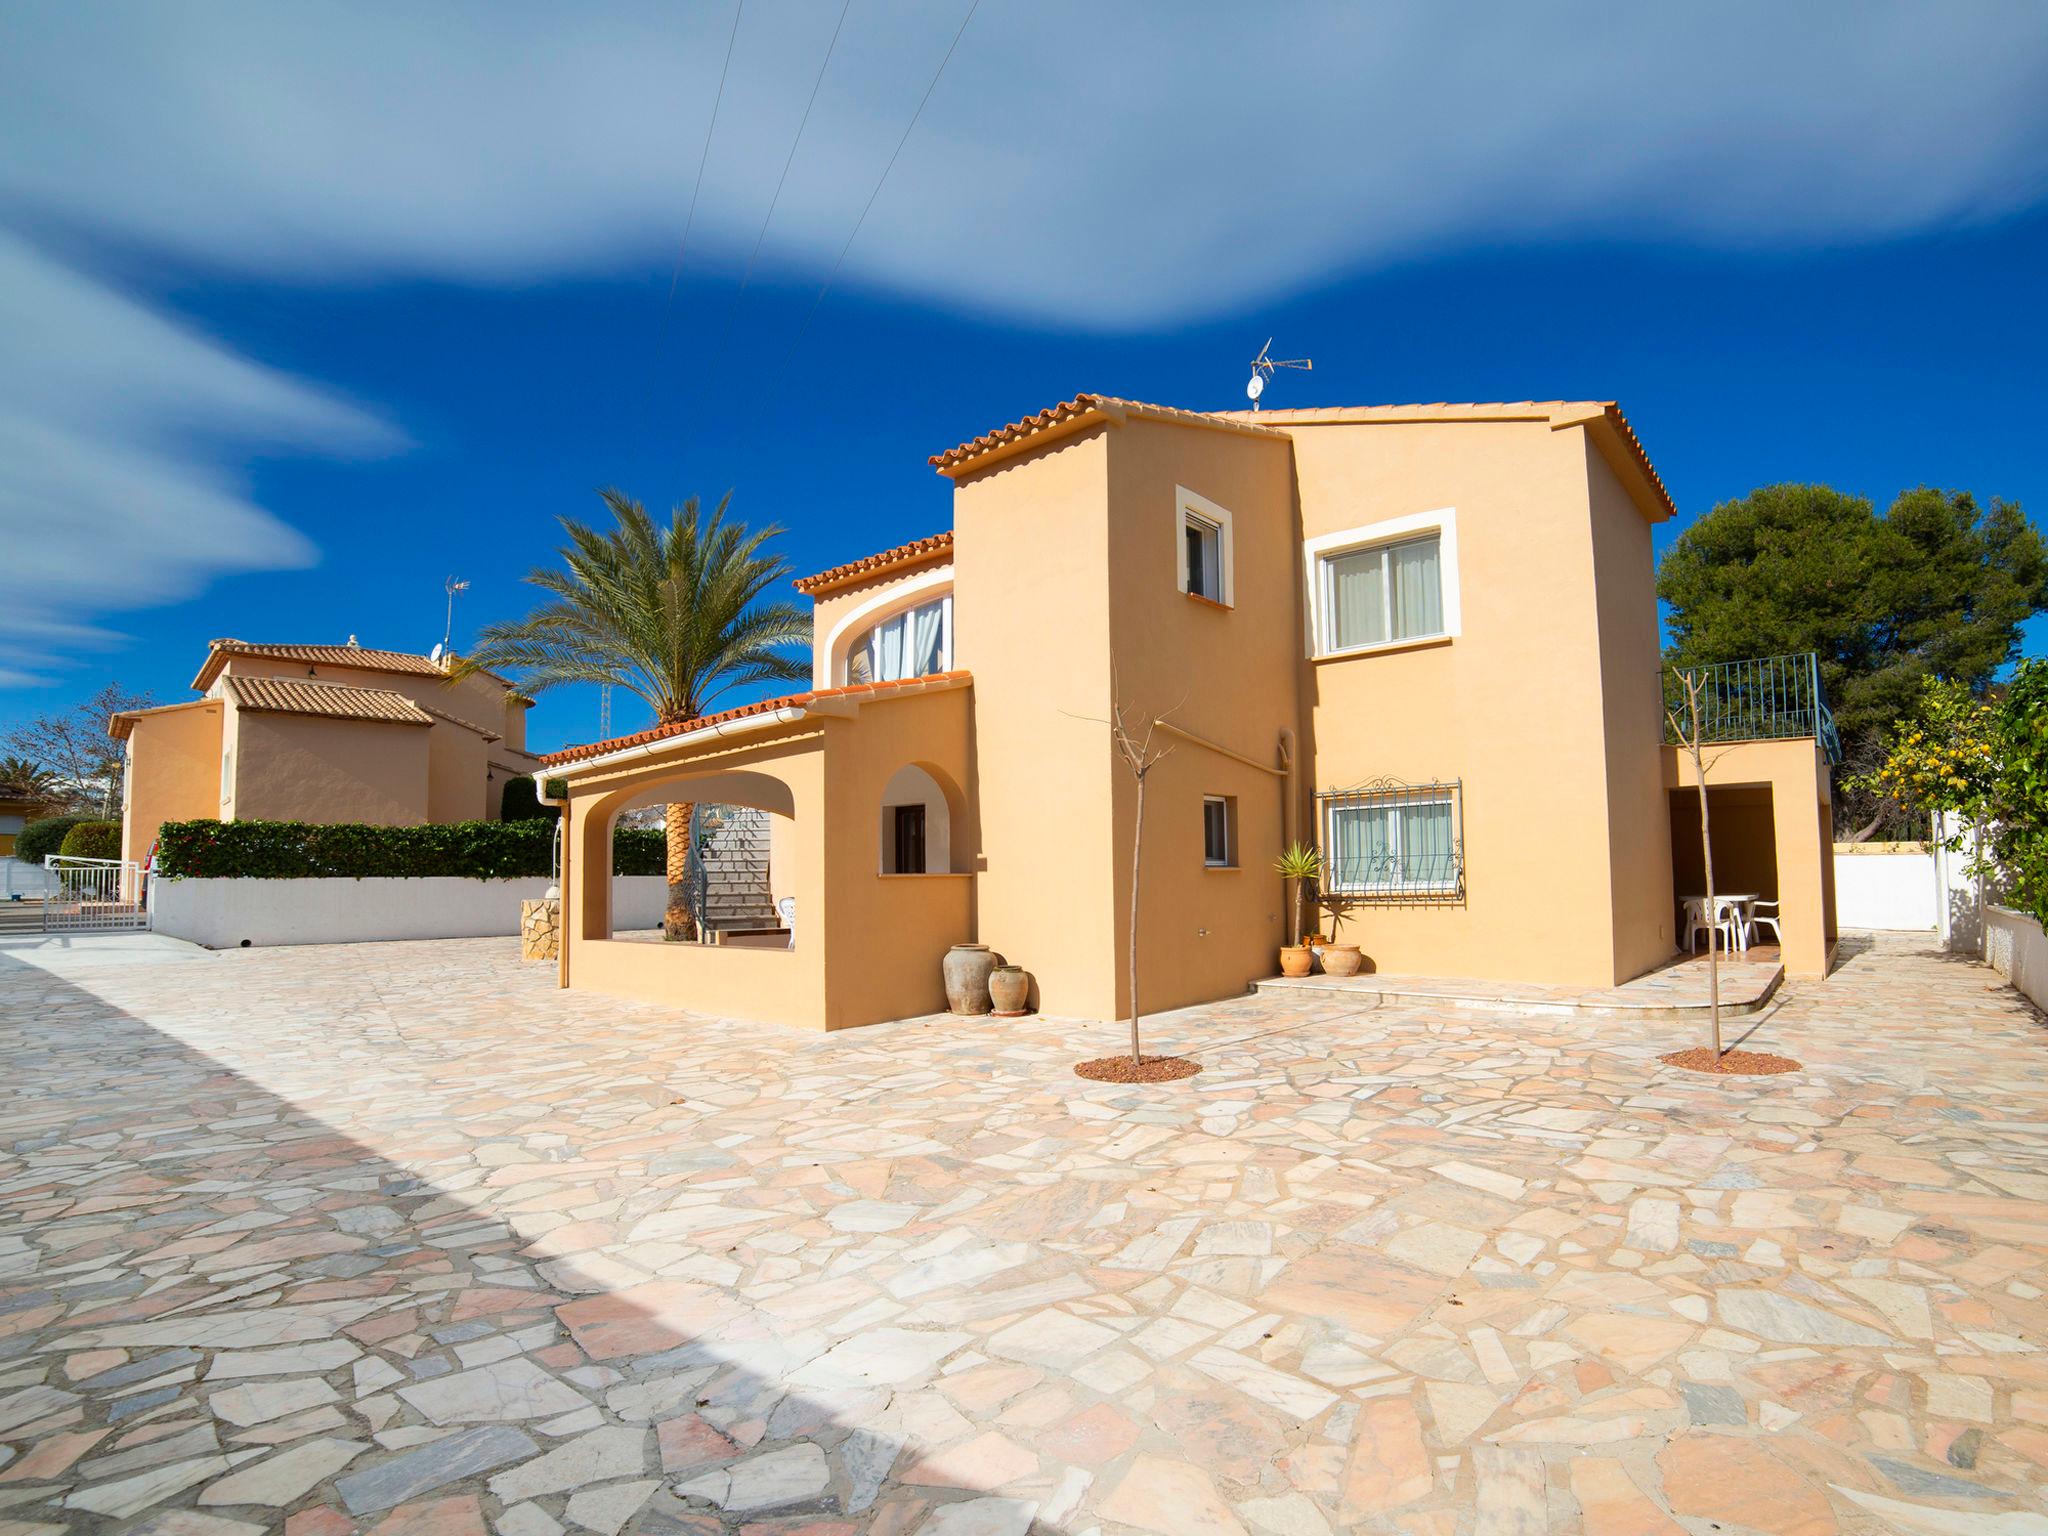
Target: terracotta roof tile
point(875, 565)
point(758, 707)
point(468, 725)
point(1080, 409)
point(407, 662)
point(335, 701)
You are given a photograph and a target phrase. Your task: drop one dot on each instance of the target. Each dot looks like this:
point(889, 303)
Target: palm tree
point(669, 614)
point(21, 779)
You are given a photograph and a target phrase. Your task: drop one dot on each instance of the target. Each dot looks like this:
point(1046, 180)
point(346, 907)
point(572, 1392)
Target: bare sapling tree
point(1137, 748)
point(1140, 756)
point(1688, 730)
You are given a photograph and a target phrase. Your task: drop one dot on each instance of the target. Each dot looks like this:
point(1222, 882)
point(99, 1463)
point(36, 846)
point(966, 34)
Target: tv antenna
point(604, 711)
point(451, 586)
point(1262, 370)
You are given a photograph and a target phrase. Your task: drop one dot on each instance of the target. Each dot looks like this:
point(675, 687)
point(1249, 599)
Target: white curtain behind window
point(1418, 589)
point(1358, 847)
point(1358, 609)
point(1426, 844)
point(925, 634)
point(889, 651)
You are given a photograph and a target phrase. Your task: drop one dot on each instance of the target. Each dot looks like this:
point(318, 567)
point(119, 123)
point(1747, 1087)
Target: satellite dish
point(435, 654)
point(1256, 388)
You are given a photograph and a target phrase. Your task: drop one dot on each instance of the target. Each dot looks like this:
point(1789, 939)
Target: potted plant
point(1303, 865)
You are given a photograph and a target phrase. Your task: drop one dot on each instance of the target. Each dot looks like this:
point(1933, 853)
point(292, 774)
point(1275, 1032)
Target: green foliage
point(521, 802)
point(40, 838)
point(23, 778)
point(1299, 862)
point(93, 840)
point(1936, 587)
point(671, 614)
point(2019, 809)
point(1987, 764)
point(297, 850)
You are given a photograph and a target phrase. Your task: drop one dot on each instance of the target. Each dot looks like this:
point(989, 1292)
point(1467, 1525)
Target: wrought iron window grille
point(1392, 842)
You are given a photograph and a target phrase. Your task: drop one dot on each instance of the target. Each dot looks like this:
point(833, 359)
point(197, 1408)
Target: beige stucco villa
point(326, 733)
point(1422, 638)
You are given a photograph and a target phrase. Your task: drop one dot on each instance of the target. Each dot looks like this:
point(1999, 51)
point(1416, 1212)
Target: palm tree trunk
point(678, 922)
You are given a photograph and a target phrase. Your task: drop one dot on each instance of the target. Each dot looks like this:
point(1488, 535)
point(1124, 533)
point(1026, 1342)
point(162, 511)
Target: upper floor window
point(1202, 538)
point(1394, 592)
point(1384, 584)
point(913, 643)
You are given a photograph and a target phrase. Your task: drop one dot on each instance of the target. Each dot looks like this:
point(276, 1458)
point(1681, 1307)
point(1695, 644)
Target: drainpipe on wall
point(1290, 812)
point(563, 843)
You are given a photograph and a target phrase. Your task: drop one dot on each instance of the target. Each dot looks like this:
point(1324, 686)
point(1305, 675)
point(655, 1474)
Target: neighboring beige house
point(14, 815)
point(325, 733)
point(1423, 638)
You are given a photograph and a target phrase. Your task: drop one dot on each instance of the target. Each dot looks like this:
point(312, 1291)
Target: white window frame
point(1316, 553)
point(1189, 505)
point(855, 627)
point(1229, 859)
point(869, 640)
point(1395, 825)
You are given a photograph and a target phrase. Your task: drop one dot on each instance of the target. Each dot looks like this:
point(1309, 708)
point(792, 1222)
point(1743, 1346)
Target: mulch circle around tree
point(1732, 1063)
point(1151, 1069)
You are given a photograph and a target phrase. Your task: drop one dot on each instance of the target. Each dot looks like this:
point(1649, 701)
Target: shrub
point(93, 840)
point(299, 850)
point(521, 802)
point(44, 837)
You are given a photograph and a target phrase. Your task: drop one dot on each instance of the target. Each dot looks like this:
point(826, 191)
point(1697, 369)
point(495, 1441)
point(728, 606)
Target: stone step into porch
point(1673, 991)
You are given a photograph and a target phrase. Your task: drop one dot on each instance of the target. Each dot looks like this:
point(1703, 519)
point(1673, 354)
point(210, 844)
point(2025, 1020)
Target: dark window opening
point(909, 835)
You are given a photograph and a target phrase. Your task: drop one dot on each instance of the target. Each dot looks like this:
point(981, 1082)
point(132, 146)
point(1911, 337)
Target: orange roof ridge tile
point(874, 565)
point(576, 754)
point(1080, 408)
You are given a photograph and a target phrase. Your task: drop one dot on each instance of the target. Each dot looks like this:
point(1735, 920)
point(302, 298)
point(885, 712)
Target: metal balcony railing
point(1766, 698)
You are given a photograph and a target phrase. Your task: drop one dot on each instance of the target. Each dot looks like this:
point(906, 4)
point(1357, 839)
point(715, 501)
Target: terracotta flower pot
point(1009, 989)
point(966, 971)
point(1296, 959)
point(1341, 960)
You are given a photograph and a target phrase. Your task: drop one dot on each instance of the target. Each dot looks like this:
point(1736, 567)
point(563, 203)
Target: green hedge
point(93, 840)
point(299, 850)
point(44, 837)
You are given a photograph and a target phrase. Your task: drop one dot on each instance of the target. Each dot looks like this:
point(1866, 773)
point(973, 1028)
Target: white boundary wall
point(1887, 885)
point(226, 914)
point(2016, 948)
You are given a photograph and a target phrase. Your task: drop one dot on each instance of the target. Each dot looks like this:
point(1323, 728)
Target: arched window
point(913, 643)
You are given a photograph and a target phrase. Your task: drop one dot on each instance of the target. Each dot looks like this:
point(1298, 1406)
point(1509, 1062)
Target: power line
point(716, 102)
point(748, 276)
point(832, 276)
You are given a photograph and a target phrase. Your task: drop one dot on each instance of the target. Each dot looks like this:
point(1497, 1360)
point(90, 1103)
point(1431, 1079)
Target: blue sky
point(302, 311)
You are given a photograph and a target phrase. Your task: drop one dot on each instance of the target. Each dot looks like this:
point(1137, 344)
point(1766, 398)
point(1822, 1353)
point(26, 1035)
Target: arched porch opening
point(732, 860)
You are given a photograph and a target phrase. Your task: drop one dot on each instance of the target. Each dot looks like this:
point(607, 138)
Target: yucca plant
point(670, 614)
point(1304, 866)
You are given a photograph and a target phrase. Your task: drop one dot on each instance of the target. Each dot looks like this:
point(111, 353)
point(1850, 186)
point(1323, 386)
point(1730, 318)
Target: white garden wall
point(1887, 885)
point(225, 914)
point(2016, 948)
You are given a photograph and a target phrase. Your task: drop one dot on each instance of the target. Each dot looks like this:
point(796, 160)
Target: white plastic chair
point(1727, 921)
point(786, 908)
point(1759, 918)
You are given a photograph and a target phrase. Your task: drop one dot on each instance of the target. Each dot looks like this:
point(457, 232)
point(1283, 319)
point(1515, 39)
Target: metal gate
point(93, 895)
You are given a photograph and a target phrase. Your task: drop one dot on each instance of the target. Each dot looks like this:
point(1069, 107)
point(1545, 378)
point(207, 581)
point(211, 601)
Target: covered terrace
point(843, 773)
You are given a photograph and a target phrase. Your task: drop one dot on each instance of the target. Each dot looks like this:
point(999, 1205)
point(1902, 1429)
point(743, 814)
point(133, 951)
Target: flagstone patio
point(399, 1238)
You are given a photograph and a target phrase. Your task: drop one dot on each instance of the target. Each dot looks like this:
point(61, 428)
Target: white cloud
point(1107, 166)
point(108, 500)
point(1096, 166)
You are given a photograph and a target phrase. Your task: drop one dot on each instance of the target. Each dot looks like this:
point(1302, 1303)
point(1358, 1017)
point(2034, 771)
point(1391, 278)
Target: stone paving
point(398, 1238)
